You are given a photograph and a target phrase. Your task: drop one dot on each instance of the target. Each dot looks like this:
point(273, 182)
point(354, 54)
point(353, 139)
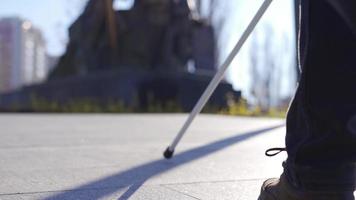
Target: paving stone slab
point(81, 156)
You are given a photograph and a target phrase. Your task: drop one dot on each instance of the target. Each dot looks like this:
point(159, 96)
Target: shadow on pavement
point(134, 178)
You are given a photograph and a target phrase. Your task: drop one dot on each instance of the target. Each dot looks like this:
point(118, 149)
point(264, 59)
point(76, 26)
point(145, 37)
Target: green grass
point(87, 105)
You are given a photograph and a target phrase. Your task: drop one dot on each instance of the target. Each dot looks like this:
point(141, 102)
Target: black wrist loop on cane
point(274, 151)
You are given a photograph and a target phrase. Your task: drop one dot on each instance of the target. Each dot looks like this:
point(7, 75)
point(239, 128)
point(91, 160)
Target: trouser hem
point(330, 179)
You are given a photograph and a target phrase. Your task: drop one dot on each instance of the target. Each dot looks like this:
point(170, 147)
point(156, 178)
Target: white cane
point(217, 78)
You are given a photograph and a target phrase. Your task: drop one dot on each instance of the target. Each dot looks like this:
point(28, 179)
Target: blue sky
point(280, 17)
point(53, 17)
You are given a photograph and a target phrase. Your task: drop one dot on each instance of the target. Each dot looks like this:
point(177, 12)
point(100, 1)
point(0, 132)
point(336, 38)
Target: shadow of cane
point(131, 180)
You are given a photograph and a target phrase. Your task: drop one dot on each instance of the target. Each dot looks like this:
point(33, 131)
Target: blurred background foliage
point(265, 71)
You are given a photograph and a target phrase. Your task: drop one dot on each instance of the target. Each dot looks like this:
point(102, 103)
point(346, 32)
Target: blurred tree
point(216, 13)
point(264, 71)
point(269, 71)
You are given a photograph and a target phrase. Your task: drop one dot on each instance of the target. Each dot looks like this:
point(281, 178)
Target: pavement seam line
point(183, 193)
point(88, 189)
point(163, 185)
point(222, 181)
point(55, 191)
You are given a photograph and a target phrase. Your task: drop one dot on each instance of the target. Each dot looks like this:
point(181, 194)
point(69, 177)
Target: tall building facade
point(22, 54)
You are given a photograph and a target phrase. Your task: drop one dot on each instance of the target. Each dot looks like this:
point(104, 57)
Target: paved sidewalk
point(120, 157)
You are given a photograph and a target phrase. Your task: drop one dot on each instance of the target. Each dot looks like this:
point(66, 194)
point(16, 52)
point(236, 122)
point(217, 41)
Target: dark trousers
point(320, 141)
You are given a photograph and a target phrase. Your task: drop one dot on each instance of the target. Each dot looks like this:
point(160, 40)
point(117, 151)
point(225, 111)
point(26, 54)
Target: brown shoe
point(280, 189)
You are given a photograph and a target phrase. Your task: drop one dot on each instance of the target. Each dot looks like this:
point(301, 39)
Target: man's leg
point(321, 145)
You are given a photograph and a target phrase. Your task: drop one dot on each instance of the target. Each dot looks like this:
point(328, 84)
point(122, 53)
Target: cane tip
point(168, 153)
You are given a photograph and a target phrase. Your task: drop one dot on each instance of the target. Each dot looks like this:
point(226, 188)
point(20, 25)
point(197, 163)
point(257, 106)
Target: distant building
point(23, 54)
point(10, 64)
